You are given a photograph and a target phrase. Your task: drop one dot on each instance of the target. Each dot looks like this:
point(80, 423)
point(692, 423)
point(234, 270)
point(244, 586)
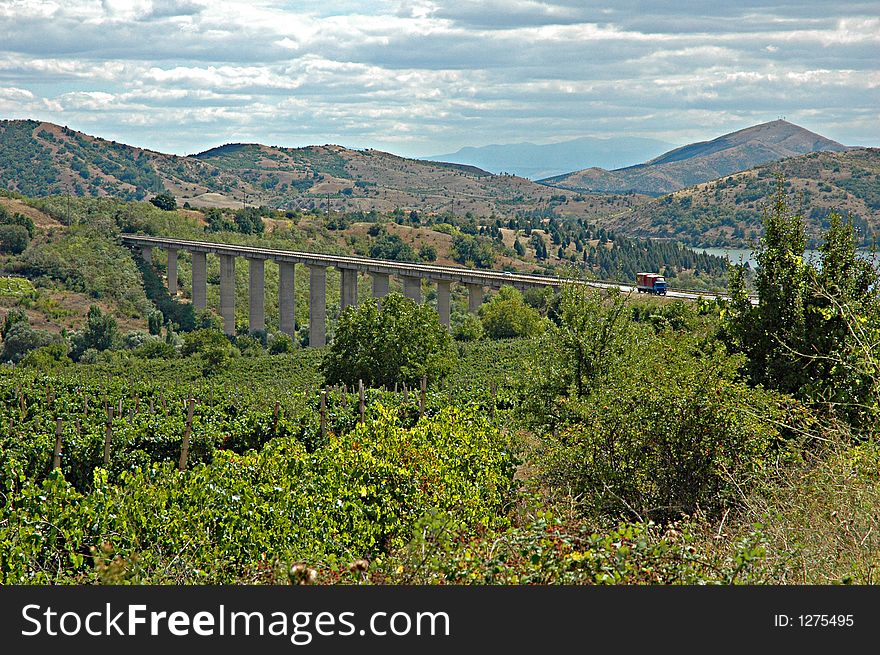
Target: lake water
point(748, 256)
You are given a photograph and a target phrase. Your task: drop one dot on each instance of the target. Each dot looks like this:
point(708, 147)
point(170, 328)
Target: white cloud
point(386, 72)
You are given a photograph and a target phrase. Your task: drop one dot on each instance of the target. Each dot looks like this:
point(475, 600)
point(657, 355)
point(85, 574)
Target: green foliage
point(17, 219)
point(547, 550)
point(393, 248)
point(281, 344)
point(47, 357)
point(218, 221)
point(809, 335)
point(593, 337)
point(472, 251)
point(101, 333)
point(155, 349)
point(507, 316)
point(399, 343)
point(20, 338)
point(672, 433)
point(427, 253)
point(213, 348)
point(12, 317)
point(359, 496)
point(249, 220)
point(86, 260)
point(165, 201)
point(470, 328)
point(14, 239)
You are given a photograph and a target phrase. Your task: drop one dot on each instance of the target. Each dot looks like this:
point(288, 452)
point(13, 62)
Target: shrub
point(46, 357)
point(164, 201)
point(281, 344)
point(401, 342)
point(155, 349)
point(469, 329)
point(506, 316)
point(21, 338)
point(101, 333)
point(670, 433)
point(14, 239)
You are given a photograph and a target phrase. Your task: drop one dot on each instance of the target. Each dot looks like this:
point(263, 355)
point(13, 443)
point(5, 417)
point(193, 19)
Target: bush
point(18, 219)
point(672, 435)
point(469, 329)
point(155, 349)
point(213, 347)
point(164, 201)
point(14, 239)
point(281, 344)
point(507, 316)
point(401, 342)
point(47, 357)
point(21, 339)
point(101, 333)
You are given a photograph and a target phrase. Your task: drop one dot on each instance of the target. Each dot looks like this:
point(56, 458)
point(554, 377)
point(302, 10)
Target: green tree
point(12, 317)
point(14, 239)
point(21, 338)
point(507, 316)
point(427, 253)
point(772, 333)
point(101, 333)
point(401, 342)
point(470, 328)
point(164, 201)
point(519, 248)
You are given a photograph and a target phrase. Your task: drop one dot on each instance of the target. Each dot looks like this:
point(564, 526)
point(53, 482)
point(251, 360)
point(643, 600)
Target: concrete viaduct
point(317, 264)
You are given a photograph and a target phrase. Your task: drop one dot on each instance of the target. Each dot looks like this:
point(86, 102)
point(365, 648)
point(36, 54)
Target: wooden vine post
point(361, 406)
point(108, 436)
point(422, 395)
point(324, 414)
point(184, 450)
point(56, 457)
point(275, 418)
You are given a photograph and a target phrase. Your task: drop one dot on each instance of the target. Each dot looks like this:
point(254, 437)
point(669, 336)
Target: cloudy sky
point(419, 77)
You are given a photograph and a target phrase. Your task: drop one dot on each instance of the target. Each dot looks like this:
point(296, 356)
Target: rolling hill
point(43, 159)
point(727, 211)
point(700, 162)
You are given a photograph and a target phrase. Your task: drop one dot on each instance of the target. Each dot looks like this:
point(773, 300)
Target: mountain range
point(38, 158)
point(712, 190)
point(700, 162)
point(540, 161)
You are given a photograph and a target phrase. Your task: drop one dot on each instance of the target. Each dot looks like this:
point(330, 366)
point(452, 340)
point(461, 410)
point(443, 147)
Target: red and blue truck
point(651, 283)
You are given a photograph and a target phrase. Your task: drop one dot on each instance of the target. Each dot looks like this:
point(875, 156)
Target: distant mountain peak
point(703, 161)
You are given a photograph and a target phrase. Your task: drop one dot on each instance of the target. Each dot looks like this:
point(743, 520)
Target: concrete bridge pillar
point(227, 293)
point(172, 271)
point(380, 286)
point(349, 296)
point(257, 295)
point(286, 298)
point(475, 297)
point(200, 281)
point(412, 287)
point(443, 301)
point(147, 254)
point(317, 306)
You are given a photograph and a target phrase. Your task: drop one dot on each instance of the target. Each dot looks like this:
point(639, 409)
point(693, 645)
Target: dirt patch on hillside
point(40, 219)
point(55, 311)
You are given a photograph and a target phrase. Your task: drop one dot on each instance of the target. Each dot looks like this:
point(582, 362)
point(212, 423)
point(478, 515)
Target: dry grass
point(821, 517)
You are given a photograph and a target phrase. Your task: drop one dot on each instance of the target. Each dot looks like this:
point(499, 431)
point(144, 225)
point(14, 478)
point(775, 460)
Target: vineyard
point(261, 462)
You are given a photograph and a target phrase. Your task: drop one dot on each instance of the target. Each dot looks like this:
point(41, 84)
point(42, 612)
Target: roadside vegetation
point(580, 437)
